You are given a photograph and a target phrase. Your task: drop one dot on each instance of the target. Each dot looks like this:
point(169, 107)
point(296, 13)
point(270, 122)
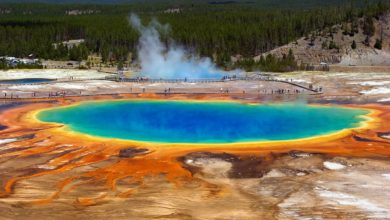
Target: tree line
point(218, 31)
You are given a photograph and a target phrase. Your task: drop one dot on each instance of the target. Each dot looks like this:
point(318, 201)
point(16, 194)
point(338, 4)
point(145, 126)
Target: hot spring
point(202, 122)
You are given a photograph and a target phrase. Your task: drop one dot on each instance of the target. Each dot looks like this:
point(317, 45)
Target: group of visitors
point(11, 96)
point(57, 94)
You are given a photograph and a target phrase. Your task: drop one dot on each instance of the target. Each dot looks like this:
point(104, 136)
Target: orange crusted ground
point(78, 160)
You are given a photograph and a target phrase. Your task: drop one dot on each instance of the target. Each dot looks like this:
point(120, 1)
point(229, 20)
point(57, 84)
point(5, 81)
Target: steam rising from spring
point(172, 62)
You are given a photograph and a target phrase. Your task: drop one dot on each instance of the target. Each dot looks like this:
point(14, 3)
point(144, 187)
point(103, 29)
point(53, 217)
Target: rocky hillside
point(365, 43)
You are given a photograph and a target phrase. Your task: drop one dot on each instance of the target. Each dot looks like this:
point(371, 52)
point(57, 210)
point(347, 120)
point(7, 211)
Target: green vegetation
point(353, 46)
point(378, 44)
point(218, 29)
point(332, 45)
point(269, 63)
point(4, 65)
point(368, 26)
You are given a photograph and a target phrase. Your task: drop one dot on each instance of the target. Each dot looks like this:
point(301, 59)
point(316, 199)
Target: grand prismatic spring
point(202, 122)
point(97, 153)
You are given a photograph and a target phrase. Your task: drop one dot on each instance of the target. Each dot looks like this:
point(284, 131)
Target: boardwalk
point(140, 80)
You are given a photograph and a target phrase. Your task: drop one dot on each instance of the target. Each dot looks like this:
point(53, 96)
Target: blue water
point(202, 122)
point(25, 81)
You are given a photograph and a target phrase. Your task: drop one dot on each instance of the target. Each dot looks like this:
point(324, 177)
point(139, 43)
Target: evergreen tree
point(353, 46)
point(368, 26)
point(378, 44)
point(224, 30)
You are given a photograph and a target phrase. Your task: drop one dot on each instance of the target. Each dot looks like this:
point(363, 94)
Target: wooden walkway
point(139, 80)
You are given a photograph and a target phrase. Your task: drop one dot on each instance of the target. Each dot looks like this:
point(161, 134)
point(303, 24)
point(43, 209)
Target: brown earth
point(310, 50)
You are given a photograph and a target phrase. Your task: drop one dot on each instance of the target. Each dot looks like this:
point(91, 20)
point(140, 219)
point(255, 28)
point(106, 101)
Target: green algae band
point(202, 122)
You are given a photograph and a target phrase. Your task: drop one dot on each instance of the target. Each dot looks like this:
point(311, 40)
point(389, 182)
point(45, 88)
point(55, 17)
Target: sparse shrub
point(353, 46)
point(367, 41)
point(325, 45)
point(332, 45)
point(368, 26)
point(378, 44)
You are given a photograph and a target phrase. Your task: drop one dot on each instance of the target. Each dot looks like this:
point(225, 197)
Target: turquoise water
point(26, 81)
point(202, 122)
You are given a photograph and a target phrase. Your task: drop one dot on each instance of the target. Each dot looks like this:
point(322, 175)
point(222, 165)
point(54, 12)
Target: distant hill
point(316, 47)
